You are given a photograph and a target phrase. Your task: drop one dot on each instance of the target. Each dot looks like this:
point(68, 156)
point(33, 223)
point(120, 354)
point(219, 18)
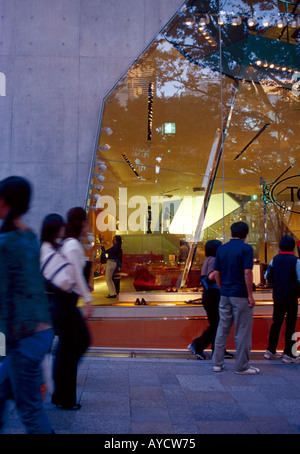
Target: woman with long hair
point(73, 333)
point(25, 318)
point(52, 233)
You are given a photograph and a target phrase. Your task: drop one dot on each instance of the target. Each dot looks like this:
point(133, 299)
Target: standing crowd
point(227, 280)
point(40, 285)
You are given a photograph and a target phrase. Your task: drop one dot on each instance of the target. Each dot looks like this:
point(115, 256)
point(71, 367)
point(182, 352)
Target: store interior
point(200, 88)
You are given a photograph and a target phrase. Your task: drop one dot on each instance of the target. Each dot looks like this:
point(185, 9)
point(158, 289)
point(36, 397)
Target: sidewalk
point(122, 395)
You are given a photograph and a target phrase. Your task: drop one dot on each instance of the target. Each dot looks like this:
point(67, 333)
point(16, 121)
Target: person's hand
point(251, 301)
point(88, 310)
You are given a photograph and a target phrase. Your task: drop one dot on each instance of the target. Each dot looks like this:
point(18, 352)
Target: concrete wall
point(60, 58)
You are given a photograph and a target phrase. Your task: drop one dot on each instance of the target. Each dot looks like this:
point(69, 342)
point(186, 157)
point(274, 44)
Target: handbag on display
point(58, 273)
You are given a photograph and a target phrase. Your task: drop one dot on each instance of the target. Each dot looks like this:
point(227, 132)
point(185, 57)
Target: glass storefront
point(202, 130)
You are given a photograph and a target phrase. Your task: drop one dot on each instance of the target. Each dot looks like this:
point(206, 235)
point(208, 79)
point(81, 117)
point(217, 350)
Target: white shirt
point(73, 250)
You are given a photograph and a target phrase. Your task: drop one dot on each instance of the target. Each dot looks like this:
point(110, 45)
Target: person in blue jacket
point(25, 317)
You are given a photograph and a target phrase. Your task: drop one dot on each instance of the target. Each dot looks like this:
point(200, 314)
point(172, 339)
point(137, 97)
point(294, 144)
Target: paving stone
point(166, 396)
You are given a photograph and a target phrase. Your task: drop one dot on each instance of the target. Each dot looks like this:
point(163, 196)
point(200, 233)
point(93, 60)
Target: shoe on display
point(228, 355)
point(289, 359)
point(143, 302)
point(270, 355)
point(250, 371)
point(137, 302)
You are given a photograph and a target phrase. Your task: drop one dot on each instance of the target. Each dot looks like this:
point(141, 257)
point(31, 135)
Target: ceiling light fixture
point(98, 187)
point(150, 109)
point(221, 18)
point(204, 20)
point(281, 19)
point(101, 166)
point(294, 23)
point(130, 165)
point(99, 177)
point(96, 196)
point(251, 21)
point(281, 22)
point(105, 147)
point(190, 20)
point(108, 130)
point(237, 20)
point(272, 66)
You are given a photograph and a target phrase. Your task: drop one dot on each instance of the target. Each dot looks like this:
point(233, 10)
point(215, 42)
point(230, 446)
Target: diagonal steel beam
point(208, 183)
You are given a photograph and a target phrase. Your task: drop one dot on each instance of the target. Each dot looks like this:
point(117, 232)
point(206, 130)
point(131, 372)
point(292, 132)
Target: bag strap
point(47, 261)
point(58, 270)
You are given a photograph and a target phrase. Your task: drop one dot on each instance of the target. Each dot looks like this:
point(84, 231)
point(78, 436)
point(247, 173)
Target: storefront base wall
point(169, 333)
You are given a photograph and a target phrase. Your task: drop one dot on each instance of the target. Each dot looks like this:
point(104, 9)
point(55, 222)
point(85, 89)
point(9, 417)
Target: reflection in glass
point(196, 82)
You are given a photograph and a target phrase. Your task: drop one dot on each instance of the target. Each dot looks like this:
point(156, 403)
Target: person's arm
point(74, 257)
point(217, 276)
point(298, 270)
point(249, 285)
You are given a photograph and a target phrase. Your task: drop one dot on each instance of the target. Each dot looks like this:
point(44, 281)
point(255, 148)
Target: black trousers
point(74, 339)
point(290, 311)
point(210, 300)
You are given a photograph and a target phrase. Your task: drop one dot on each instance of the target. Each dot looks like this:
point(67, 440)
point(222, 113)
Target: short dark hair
point(51, 226)
point(287, 243)
point(211, 247)
point(118, 240)
point(239, 230)
point(16, 191)
point(75, 218)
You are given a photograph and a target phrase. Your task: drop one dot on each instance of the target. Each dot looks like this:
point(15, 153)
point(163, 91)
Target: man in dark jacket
point(284, 273)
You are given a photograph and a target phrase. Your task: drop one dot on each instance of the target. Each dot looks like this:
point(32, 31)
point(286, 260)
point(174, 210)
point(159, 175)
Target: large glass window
point(201, 131)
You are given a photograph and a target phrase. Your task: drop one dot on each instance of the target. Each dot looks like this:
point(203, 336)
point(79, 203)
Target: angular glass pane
point(203, 98)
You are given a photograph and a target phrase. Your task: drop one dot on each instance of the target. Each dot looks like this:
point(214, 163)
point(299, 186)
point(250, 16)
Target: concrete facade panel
point(101, 28)
point(45, 109)
point(6, 67)
point(47, 27)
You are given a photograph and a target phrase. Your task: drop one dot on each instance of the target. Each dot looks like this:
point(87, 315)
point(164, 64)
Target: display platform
point(167, 321)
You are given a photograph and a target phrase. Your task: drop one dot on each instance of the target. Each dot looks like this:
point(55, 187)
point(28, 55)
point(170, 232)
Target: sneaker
point(250, 371)
point(192, 349)
point(289, 359)
point(228, 355)
point(218, 368)
point(200, 355)
point(270, 355)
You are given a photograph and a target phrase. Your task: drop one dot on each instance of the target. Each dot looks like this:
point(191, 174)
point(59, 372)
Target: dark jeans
point(21, 378)
point(281, 309)
point(210, 302)
point(74, 339)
